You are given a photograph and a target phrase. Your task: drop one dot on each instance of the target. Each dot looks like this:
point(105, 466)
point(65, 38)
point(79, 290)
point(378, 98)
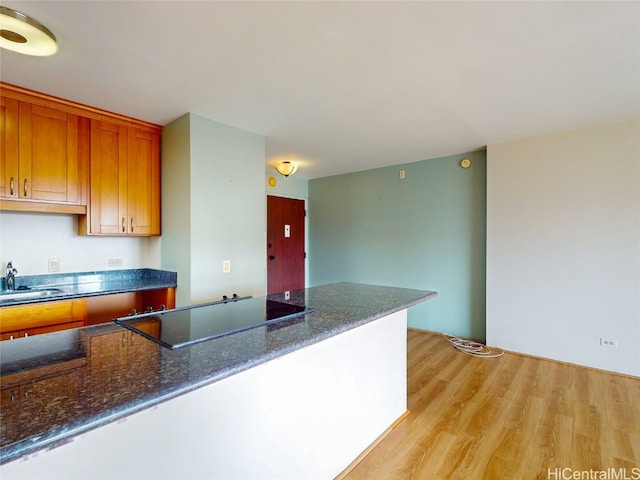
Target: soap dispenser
point(11, 276)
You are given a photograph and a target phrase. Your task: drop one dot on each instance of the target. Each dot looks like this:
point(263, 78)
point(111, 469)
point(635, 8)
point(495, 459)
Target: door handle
point(272, 257)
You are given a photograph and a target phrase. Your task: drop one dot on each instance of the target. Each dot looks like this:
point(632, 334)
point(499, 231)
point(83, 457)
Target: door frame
point(306, 236)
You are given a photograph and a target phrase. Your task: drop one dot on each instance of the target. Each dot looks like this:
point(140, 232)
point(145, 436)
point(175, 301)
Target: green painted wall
point(175, 243)
point(292, 187)
point(426, 231)
point(213, 209)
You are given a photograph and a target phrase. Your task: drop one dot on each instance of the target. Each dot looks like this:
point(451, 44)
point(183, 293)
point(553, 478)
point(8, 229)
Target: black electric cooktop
point(184, 326)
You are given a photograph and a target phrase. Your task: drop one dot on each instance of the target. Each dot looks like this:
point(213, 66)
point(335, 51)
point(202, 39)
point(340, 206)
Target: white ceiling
point(346, 86)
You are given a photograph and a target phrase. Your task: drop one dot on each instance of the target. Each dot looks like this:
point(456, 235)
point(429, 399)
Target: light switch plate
point(54, 265)
point(115, 262)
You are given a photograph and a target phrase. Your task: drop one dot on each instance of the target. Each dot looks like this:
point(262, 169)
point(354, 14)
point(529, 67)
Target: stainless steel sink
point(26, 294)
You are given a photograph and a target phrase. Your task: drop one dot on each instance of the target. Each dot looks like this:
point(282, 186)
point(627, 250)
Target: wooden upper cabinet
point(42, 162)
point(9, 108)
point(62, 157)
point(124, 194)
point(108, 185)
point(143, 184)
point(48, 154)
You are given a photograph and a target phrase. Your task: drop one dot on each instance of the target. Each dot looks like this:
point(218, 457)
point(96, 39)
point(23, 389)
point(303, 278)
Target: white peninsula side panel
point(307, 414)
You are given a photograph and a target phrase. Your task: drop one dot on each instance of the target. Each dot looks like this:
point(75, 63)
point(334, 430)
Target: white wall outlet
point(115, 262)
point(54, 265)
point(287, 231)
point(226, 266)
point(287, 295)
point(606, 342)
point(402, 174)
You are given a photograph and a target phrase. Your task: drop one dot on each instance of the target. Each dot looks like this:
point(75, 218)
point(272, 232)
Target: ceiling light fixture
point(286, 168)
point(23, 34)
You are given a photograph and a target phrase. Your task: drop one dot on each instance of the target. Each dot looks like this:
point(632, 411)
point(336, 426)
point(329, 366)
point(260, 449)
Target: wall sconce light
point(23, 34)
point(286, 168)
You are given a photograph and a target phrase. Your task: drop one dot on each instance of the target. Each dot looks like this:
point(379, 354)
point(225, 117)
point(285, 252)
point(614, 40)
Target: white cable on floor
point(471, 347)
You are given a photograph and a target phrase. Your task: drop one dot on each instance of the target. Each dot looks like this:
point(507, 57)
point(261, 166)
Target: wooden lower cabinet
point(123, 366)
point(105, 308)
point(119, 365)
point(38, 318)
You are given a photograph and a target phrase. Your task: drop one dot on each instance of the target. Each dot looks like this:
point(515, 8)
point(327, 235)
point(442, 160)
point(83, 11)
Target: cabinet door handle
point(131, 224)
point(25, 187)
point(11, 186)
point(26, 393)
point(13, 397)
point(124, 225)
point(124, 339)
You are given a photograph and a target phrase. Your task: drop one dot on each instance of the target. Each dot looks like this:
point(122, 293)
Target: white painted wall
point(306, 415)
point(563, 246)
point(31, 239)
point(213, 209)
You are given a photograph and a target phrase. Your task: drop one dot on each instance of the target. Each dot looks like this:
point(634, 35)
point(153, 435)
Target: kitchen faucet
point(11, 276)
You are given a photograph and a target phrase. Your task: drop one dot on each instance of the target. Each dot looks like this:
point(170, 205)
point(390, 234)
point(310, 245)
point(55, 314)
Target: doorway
point(285, 244)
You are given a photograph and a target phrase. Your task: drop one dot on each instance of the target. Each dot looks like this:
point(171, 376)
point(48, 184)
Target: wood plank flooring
point(514, 417)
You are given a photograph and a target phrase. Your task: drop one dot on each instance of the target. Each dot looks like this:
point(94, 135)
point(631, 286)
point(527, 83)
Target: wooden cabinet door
point(37, 318)
point(48, 154)
point(143, 175)
point(8, 147)
point(108, 195)
point(14, 335)
point(125, 181)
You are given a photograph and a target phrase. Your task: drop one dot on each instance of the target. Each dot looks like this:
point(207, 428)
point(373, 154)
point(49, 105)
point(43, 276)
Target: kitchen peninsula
point(298, 398)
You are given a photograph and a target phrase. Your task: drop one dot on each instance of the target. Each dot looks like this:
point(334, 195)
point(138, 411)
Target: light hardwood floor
point(514, 417)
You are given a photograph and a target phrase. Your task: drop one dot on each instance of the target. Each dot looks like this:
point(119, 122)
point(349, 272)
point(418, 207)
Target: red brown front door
point(285, 244)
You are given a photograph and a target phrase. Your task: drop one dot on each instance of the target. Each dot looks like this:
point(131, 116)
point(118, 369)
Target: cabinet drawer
point(42, 315)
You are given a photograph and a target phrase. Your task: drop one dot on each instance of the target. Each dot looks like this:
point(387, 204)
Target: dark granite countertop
point(87, 284)
point(83, 388)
